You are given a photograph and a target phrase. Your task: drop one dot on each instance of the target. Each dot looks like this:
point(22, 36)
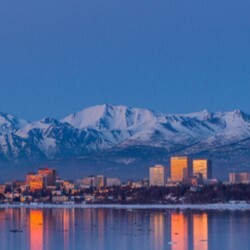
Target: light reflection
point(157, 224)
point(65, 228)
point(99, 228)
point(36, 229)
point(179, 231)
point(100, 221)
point(200, 231)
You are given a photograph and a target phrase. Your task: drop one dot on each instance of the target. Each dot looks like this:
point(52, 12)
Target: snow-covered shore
point(233, 206)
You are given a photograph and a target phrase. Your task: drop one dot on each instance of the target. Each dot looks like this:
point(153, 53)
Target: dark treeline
point(178, 194)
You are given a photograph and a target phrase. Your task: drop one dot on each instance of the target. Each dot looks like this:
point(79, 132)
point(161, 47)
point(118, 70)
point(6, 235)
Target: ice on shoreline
point(217, 206)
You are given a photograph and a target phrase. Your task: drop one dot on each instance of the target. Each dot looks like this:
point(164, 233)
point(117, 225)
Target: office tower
point(36, 181)
point(203, 167)
point(29, 177)
point(157, 175)
point(180, 168)
point(50, 174)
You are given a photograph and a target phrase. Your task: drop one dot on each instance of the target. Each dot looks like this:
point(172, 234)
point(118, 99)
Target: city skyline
point(124, 124)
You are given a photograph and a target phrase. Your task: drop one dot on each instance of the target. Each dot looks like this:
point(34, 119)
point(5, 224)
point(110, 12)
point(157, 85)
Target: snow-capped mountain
point(10, 123)
point(124, 134)
point(125, 126)
point(108, 118)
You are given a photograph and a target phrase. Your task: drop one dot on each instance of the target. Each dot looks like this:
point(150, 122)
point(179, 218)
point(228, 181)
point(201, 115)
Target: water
point(100, 229)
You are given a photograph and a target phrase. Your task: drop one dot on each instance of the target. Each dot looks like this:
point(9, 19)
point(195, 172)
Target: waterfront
point(107, 228)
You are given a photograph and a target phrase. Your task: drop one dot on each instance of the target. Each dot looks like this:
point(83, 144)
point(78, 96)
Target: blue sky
point(57, 57)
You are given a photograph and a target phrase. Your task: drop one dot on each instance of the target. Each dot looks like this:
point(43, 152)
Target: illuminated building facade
point(50, 174)
point(203, 167)
point(157, 175)
point(29, 177)
point(36, 181)
point(179, 168)
point(101, 180)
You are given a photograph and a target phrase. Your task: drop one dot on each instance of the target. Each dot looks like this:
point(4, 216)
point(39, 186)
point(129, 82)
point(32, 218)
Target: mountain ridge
point(123, 134)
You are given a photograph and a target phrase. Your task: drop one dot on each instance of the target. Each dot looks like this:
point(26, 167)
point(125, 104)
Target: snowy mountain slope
point(108, 117)
point(10, 123)
point(55, 139)
point(107, 129)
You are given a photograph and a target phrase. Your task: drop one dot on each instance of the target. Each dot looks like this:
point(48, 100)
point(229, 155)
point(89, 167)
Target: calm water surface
point(54, 229)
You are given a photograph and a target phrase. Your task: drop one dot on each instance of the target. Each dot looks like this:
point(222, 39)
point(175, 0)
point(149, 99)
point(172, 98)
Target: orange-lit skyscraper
point(36, 181)
point(157, 175)
point(203, 167)
point(50, 174)
point(179, 168)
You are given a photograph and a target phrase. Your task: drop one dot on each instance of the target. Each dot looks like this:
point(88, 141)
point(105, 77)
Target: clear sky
point(174, 56)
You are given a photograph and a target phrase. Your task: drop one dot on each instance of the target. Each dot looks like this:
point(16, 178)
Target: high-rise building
point(180, 168)
point(235, 178)
point(50, 174)
point(36, 181)
point(157, 175)
point(203, 167)
point(29, 177)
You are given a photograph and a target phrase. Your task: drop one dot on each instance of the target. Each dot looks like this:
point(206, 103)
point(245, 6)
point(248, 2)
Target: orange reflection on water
point(36, 229)
point(200, 231)
point(179, 231)
point(66, 228)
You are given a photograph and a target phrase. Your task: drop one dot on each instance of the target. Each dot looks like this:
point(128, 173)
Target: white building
point(157, 175)
point(235, 178)
point(113, 182)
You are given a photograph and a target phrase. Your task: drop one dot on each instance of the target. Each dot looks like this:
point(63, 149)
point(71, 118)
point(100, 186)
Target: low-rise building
point(94, 181)
point(60, 199)
point(235, 178)
point(2, 189)
point(113, 182)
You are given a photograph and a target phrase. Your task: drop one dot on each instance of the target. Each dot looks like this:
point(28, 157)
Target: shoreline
point(216, 206)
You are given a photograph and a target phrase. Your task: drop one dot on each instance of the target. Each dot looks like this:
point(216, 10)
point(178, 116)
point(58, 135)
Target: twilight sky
point(174, 56)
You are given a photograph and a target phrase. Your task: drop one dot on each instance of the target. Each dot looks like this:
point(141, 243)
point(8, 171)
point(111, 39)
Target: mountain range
point(125, 135)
